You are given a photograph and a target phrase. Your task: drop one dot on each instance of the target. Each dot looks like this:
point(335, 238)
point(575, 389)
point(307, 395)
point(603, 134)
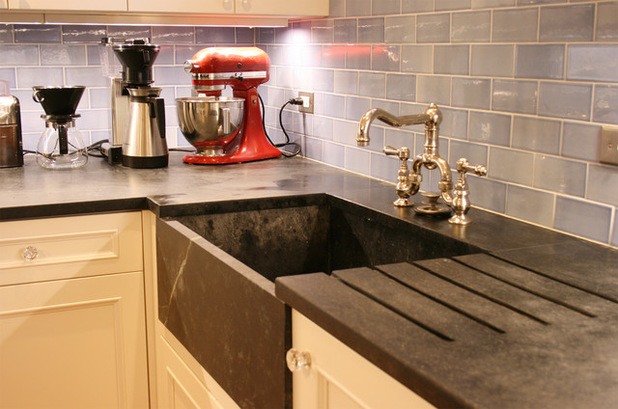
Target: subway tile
point(356, 107)
point(245, 35)
point(386, 58)
point(433, 89)
point(492, 60)
point(476, 154)
point(371, 30)
point(401, 87)
point(357, 160)
point(471, 27)
point(383, 7)
point(606, 104)
point(511, 166)
point(330, 105)
point(443, 5)
point(527, 2)
point(8, 75)
point(344, 132)
point(333, 154)
point(433, 28)
point(20, 55)
point(487, 194)
point(416, 6)
point(454, 123)
point(602, 184)
point(63, 55)
point(186, 52)
point(323, 128)
point(83, 34)
point(471, 92)
point(384, 167)
point(581, 141)
point(129, 31)
point(214, 35)
point(540, 61)
point(322, 31)
point(336, 8)
point(567, 23)
point(531, 205)
point(593, 62)
point(39, 33)
point(313, 149)
point(28, 77)
point(451, 59)
point(168, 75)
point(515, 25)
point(333, 56)
point(494, 129)
point(88, 76)
point(173, 35)
point(372, 84)
point(6, 33)
point(481, 4)
point(356, 8)
point(346, 82)
point(400, 29)
point(607, 29)
point(560, 175)
point(536, 135)
point(583, 218)
point(345, 30)
point(417, 59)
point(265, 35)
point(565, 100)
point(166, 55)
point(399, 137)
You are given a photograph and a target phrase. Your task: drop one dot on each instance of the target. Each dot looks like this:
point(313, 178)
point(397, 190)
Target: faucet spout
point(431, 117)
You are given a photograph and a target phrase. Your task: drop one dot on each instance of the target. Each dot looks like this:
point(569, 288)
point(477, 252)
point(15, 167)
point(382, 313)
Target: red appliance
point(243, 69)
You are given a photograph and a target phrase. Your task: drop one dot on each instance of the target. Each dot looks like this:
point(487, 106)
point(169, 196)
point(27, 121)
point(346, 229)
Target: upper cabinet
point(290, 8)
point(78, 5)
point(183, 6)
point(253, 13)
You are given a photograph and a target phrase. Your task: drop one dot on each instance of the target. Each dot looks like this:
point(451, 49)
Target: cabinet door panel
point(183, 6)
point(109, 5)
point(341, 378)
point(74, 344)
point(283, 8)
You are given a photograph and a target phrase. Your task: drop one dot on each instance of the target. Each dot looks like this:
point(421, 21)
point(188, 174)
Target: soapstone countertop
point(532, 321)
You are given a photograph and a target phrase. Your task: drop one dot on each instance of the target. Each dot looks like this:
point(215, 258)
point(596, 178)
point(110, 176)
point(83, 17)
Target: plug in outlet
point(609, 145)
point(307, 106)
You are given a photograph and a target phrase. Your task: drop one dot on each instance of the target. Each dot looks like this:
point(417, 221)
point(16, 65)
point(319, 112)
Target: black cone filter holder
point(137, 58)
point(58, 101)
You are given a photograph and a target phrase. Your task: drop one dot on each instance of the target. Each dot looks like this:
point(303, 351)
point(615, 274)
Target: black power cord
point(297, 148)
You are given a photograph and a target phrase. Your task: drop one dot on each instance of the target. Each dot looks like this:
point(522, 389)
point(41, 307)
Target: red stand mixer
point(205, 120)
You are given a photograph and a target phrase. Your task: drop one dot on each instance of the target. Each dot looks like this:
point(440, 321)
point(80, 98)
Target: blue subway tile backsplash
point(524, 86)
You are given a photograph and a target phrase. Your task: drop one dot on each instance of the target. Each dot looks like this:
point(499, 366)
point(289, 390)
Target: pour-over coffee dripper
point(61, 145)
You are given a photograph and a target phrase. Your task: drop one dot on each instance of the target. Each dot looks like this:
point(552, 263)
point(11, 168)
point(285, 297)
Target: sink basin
point(217, 263)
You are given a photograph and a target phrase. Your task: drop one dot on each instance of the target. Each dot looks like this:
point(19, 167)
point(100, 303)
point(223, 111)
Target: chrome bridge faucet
point(409, 181)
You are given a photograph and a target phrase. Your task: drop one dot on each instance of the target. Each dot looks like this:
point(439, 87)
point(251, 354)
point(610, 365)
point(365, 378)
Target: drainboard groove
point(527, 289)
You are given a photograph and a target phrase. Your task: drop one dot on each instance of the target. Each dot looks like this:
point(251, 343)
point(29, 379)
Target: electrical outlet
point(609, 145)
point(307, 106)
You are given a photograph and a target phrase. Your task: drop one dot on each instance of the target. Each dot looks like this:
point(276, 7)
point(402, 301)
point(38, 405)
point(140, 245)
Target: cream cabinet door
point(339, 378)
point(4, 4)
point(183, 6)
point(306, 8)
point(108, 5)
point(78, 343)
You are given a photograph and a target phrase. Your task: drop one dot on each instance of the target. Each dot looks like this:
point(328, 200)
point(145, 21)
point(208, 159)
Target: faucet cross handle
point(461, 202)
point(404, 182)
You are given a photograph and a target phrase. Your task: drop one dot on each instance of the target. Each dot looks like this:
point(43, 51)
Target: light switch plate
point(609, 145)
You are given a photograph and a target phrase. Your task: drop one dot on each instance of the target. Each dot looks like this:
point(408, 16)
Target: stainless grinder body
point(11, 149)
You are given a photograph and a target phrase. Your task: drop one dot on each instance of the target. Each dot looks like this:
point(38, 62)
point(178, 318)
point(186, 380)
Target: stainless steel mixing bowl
point(210, 123)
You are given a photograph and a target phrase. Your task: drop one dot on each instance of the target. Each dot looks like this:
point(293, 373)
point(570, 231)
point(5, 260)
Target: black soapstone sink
point(217, 264)
point(316, 233)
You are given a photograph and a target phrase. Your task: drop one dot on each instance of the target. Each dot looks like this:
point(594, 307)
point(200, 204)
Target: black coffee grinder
point(61, 145)
point(143, 142)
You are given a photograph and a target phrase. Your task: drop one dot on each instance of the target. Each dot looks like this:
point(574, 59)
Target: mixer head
point(241, 68)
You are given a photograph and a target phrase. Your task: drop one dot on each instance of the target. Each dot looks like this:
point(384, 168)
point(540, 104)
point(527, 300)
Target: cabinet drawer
point(66, 247)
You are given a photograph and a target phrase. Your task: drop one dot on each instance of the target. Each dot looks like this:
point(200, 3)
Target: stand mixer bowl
point(210, 123)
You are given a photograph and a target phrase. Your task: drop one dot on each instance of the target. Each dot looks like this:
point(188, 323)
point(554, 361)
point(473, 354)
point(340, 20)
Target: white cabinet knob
point(298, 360)
point(30, 253)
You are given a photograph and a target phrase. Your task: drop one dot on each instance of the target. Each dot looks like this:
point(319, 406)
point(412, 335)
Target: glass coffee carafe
point(61, 145)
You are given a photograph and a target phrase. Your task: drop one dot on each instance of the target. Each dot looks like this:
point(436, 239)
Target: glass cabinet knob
point(298, 360)
point(30, 253)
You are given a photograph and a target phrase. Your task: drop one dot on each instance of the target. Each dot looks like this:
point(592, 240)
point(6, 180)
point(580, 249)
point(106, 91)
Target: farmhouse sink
point(217, 263)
